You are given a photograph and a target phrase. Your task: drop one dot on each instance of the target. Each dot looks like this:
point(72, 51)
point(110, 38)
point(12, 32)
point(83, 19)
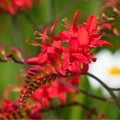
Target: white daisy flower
point(106, 68)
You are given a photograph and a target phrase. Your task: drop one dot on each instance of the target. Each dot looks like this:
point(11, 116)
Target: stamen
point(115, 71)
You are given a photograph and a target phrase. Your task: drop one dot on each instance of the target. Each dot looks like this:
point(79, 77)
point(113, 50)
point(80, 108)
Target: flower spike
point(57, 62)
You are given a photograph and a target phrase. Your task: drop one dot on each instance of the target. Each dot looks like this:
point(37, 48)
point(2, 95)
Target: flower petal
point(51, 50)
point(52, 28)
point(57, 44)
point(43, 57)
point(45, 101)
point(32, 61)
point(65, 55)
point(62, 96)
point(75, 19)
point(85, 68)
point(74, 45)
point(91, 25)
point(83, 36)
point(44, 35)
point(100, 43)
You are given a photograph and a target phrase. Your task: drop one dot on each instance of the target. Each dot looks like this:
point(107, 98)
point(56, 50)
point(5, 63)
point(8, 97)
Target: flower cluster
point(35, 109)
point(54, 90)
point(38, 79)
point(14, 6)
point(11, 110)
point(58, 62)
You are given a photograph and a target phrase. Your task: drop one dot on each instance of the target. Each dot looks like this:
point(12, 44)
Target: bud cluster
point(12, 57)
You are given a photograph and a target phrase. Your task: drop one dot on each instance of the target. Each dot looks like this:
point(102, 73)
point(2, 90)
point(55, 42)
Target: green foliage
point(12, 34)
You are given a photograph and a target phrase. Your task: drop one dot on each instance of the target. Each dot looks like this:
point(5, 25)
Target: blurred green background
point(15, 30)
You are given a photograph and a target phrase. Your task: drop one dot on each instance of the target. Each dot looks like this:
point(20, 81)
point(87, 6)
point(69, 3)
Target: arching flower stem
point(84, 92)
point(75, 103)
point(117, 102)
point(110, 90)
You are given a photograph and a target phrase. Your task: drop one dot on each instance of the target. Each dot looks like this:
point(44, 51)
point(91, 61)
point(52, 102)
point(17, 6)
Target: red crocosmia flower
point(36, 108)
point(11, 110)
point(61, 90)
point(60, 62)
point(75, 81)
point(45, 93)
point(81, 41)
point(49, 53)
point(15, 6)
point(54, 90)
point(74, 61)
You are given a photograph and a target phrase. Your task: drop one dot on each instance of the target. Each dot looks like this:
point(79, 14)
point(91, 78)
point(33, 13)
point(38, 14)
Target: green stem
point(84, 92)
point(75, 103)
point(107, 88)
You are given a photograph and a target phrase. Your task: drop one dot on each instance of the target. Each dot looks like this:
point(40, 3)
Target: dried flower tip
point(17, 53)
point(115, 10)
point(100, 116)
point(95, 107)
point(2, 50)
point(104, 16)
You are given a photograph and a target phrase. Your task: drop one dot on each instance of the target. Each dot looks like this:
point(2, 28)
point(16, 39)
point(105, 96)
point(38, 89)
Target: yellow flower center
point(115, 71)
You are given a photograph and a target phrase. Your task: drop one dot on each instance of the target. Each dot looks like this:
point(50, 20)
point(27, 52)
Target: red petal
point(83, 59)
point(83, 36)
point(65, 36)
point(29, 3)
point(45, 101)
point(62, 96)
point(74, 45)
point(63, 73)
point(85, 68)
point(108, 26)
point(52, 28)
point(38, 106)
point(103, 42)
point(51, 50)
point(11, 10)
point(75, 19)
point(44, 35)
point(91, 25)
point(32, 61)
point(74, 67)
point(65, 55)
point(65, 64)
point(43, 58)
point(57, 44)
point(89, 55)
point(75, 81)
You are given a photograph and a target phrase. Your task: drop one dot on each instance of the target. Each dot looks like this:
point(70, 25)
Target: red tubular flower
point(81, 41)
point(49, 54)
point(62, 89)
point(14, 6)
point(45, 93)
point(11, 110)
point(54, 90)
point(56, 61)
